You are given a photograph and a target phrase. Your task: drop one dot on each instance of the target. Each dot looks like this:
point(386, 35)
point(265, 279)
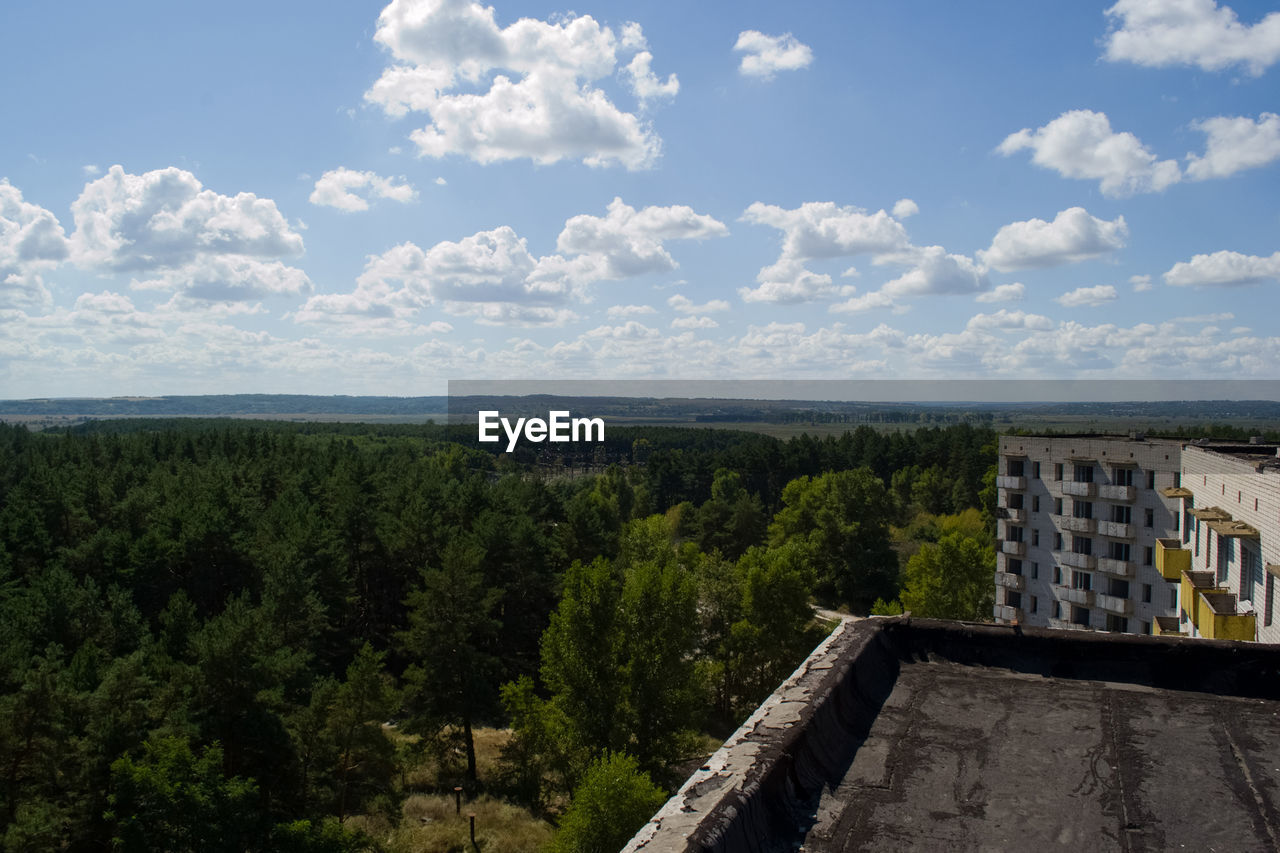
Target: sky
point(359, 198)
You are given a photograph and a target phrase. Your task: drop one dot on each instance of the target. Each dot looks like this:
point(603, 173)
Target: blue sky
point(368, 198)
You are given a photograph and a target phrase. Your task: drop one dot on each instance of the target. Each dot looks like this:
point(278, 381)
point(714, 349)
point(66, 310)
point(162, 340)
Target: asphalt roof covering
point(901, 734)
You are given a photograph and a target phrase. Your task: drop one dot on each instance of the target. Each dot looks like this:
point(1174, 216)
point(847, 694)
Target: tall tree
point(951, 580)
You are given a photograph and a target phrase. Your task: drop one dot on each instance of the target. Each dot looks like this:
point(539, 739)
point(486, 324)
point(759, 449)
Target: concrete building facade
point(1226, 555)
point(1079, 518)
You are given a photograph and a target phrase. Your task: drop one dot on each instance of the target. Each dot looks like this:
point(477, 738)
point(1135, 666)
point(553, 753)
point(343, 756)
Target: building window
point(1057, 471)
point(1057, 575)
point(1015, 500)
point(1035, 502)
point(1015, 567)
point(1146, 627)
point(1122, 476)
point(1119, 551)
point(1081, 580)
point(1013, 534)
point(1149, 520)
point(1015, 468)
point(1035, 571)
point(1035, 537)
point(1173, 597)
point(1151, 479)
point(1081, 545)
point(1035, 470)
point(1177, 518)
point(1035, 604)
point(1057, 506)
point(1057, 541)
point(1177, 478)
point(1057, 610)
point(1013, 598)
point(1117, 623)
point(1266, 611)
point(1121, 514)
point(1146, 593)
point(1118, 588)
point(1250, 572)
point(1186, 527)
point(1082, 509)
point(1147, 554)
point(1083, 473)
point(1080, 616)
point(1224, 559)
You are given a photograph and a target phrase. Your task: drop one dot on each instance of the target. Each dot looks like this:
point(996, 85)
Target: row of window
point(1083, 545)
point(1120, 513)
point(1115, 587)
point(1121, 475)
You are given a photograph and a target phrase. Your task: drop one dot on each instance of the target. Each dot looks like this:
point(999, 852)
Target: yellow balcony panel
point(1211, 513)
point(1189, 592)
point(1219, 619)
point(1167, 626)
point(1172, 559)
point(1176, 492)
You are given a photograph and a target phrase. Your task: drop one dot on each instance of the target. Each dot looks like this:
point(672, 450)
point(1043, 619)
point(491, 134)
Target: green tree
point(614, 799)
point(951, 579)
point(450, 638)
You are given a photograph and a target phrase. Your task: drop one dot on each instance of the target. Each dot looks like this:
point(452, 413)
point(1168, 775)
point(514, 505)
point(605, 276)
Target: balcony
point(1077, 561)
point(1009, 580)
point(1008, 513)
point(1066, 625)
point(1014, 549)
point(1167, 626)
point(1079, 490)
point(1016, 484)
point(1083, 597)
point(1220, 620)
point(1172, 559)
point(1192, 584)
point(1115, 529)
point(1117, 493)
point(1076, 525)
point(1115, 604)
point(1005, 613)
point(1112, 566)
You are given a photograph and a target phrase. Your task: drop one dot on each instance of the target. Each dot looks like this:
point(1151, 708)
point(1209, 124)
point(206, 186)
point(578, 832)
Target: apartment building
point(1079, 521)
point(1225, 558)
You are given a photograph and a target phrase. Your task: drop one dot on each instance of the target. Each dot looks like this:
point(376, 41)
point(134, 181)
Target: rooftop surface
point(902, 734)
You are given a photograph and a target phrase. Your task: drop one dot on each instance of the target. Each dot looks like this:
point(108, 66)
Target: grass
point(429, 824)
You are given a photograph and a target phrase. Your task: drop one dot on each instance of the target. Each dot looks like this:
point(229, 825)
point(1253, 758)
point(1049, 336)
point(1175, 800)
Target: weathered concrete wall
point(759, 791)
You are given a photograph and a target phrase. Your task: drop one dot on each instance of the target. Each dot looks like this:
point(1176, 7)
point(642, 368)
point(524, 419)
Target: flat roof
point(905, 734)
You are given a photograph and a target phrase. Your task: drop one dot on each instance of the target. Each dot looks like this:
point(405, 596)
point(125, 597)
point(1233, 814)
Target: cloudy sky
point(358, 198)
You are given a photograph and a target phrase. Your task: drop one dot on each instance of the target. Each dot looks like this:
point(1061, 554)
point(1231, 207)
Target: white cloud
point(549, 111)
point(905, 207)
point(1010, 320)
point(934, 271)
point(1088, 296)
point(91, 170)
point(1235, 144)
point(31, 242)
point(1141, 283)
point(627, 242)
point(1004, 293)
point(338, 188)
point(203, 244)
point(1081, 144)
point(617, 312)
point(767, 55)
point(1159, 33)
point(1224, 269)
point(441, 182)
point(813, 231)
point(694, 322)
point(1073, 236)
point(684, 305)
point(645, 85)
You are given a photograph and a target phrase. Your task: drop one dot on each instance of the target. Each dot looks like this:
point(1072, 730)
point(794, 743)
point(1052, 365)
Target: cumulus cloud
point(31, 242)
point(492, 276)
point(694, 322)
point(628, 242)
point(934, 271)
point(905, 207)
point(645, 85)
point(1160, 33)
point(1235, 144)
point(1224, 269)
point(684, 305)
point(1010, 320)
point(817, 230)
point(1081, 144)
point(1072, 236)
point(1004, 293)
point(616, 312)
point(546, 109)
point(766, 55)
point(1088, 296)
point(1141, 283)
point(349, 190)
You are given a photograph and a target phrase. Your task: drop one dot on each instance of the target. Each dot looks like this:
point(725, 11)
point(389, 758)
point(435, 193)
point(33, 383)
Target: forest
point(249, 636)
